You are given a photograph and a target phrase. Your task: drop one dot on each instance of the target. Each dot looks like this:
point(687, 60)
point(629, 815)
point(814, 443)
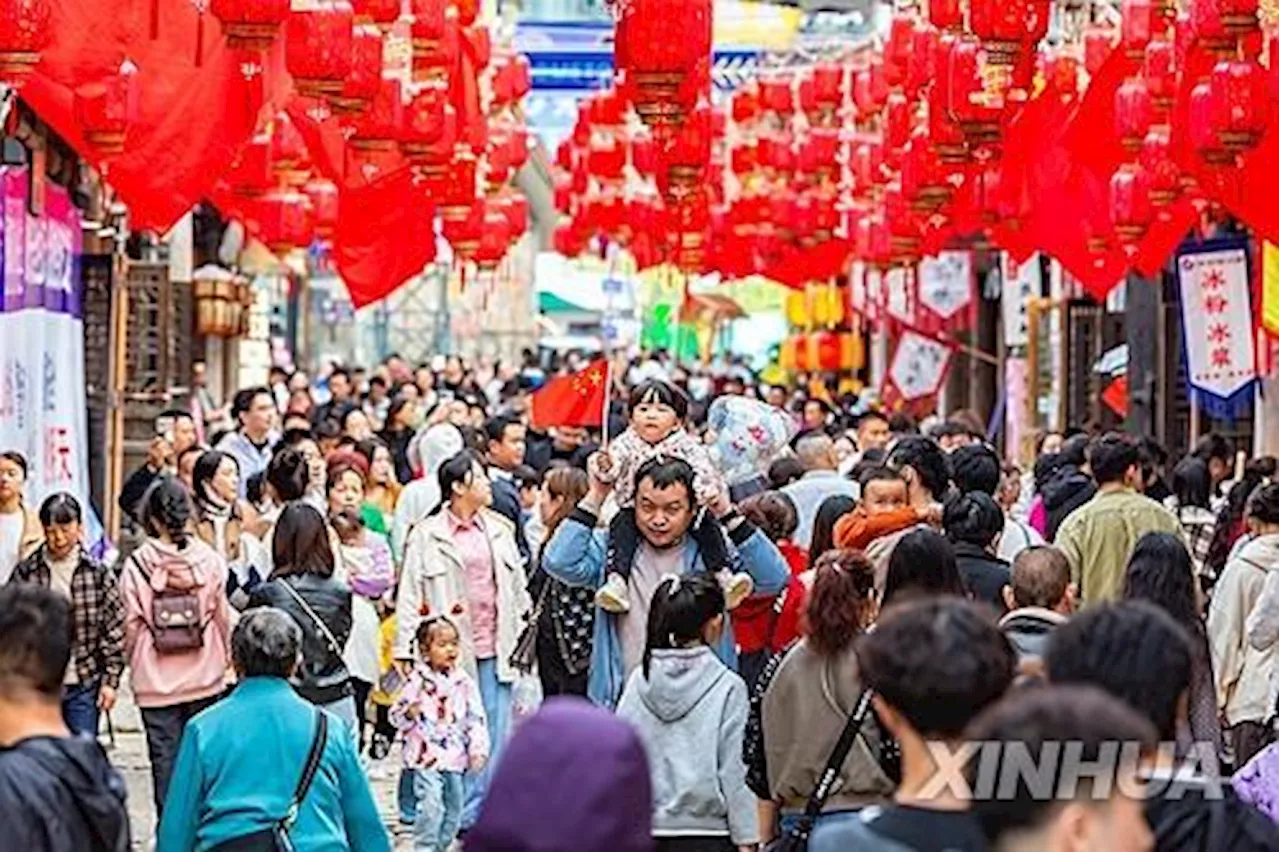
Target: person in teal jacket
point(240, 760)
point(665, 511)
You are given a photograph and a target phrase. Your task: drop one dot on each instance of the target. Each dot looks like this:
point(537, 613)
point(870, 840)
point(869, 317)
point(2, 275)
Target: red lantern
point(1137, 26)
point(744, 106)
point(468, 10)
point(1239, 17)
point(1201, 119)
point(250, 173)
point(666, 76)
point(1002, 27)
point(434, 35)
point(1132, 112)
point(946, 14)
point(828, 84)
point(688, 154)
point(286, 220)
point(318, 47)
point(495, 237)
point(430, 127)
point(924, 182)
point(742, 159)
point(776, 155)
point(897, 50)
point(644, 155)
point(515, 207)
point(977, 90)
point(361, 86)
point(1157, 161)
point(820, 152)
point(289, 160)
point(606, 157)
point(248, 24)
point(1160, 71)
point(379, 127)
point(1098, 44)
point(105, 109)
point(920, 62)
point(464, 226)
point(323, 196)
point(481, 45)
point(458, 188)
point(1241, 103)
point(1062, 74)
point(1131, 209)
point(899, 116)
point(775, 95)
point(383, 13)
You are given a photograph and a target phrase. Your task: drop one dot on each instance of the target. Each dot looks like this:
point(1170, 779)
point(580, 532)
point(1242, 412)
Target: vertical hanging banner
point(899, 300)
point(1020, 282)
point(1269, 315)
point(917, 369)
point(1217, 328)
point(42, 393)
point(945, 292)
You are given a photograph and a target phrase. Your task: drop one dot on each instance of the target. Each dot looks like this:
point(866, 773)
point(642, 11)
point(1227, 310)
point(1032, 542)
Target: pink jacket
point(163, 680)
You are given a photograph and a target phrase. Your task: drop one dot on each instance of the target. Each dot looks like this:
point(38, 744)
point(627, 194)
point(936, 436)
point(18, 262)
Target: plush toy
point(748, 435)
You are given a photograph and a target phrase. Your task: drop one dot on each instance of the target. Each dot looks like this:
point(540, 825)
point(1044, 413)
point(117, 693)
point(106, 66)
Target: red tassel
point(155, 19)
point(200, 38)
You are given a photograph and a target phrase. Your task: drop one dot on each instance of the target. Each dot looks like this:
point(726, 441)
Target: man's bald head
point(1040, 577)
point(817, 452)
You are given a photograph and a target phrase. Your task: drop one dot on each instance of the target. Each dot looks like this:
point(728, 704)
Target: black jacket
point(323, 676)
point(1067, 490)
point(540, 451)
point(1201, 816)
point(61, 794)
point(984, 575)
point(398, 444)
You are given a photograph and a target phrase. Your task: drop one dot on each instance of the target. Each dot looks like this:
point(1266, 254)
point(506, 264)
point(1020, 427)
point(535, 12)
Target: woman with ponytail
point(804, 698)
point(177, 624)
point(691, 712)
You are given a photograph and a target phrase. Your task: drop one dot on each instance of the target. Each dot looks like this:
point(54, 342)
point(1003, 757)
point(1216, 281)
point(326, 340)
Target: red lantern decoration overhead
point(379, 127)
point(323, 196)
point(362, 85)
point(434, 34)
point(285, 216)
point(25, 31)
point(664, 75)
point(1132, 113)
point(383, 13)
point(250, 24)
point(105, 109)
point(1241, 103)
point(318, 47)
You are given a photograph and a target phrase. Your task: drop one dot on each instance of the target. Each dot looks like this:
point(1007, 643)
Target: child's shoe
point(612, 596)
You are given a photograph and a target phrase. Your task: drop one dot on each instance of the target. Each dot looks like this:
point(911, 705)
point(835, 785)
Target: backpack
point(175, 623)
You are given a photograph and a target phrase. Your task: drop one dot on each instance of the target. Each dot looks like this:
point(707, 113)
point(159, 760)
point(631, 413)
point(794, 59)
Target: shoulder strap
point(831, 771)
point(309, 770)
point(335, 647)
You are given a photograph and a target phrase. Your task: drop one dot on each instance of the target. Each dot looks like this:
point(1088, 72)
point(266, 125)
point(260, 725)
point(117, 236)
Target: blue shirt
point(239, 763)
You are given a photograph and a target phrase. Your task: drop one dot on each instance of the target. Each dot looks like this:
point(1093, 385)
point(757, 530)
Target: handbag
point(525, 655)
point(796, 839)
point(276, 838)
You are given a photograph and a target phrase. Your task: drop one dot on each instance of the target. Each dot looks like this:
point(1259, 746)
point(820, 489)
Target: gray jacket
point(691, 713)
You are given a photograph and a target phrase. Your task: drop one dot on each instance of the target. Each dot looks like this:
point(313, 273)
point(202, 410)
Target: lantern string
point(200, 38)
point(155, 19)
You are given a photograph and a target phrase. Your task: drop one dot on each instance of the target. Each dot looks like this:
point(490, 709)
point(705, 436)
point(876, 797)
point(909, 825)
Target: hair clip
point(675, 584)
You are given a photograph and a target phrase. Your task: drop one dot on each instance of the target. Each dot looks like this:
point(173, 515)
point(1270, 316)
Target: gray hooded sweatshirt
point(691, 713)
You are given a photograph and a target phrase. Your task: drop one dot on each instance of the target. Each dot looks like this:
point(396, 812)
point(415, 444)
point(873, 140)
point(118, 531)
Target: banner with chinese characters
point(1020, 283)
point(42, 393)
point(946, 292)
point(1217, 328)
point(916, 370)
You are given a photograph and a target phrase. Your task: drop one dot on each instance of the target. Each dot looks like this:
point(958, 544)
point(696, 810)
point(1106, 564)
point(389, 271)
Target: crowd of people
point(753, 615)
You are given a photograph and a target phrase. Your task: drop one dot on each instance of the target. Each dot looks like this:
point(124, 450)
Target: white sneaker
point(612, 596)
point(737, 588)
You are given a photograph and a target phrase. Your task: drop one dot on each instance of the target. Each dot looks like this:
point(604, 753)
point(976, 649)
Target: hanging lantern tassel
point(200, 37)
point(155, 19)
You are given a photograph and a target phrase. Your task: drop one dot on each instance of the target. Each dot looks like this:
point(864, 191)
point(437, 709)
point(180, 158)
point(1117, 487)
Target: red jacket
point(757, 621)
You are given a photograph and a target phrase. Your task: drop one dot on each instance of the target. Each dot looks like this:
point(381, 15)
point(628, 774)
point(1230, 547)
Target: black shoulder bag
point(276, 838)
point(797, 838)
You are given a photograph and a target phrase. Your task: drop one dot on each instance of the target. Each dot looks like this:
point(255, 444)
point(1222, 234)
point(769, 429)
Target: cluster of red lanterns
point(462, 152)
point(1228, 108)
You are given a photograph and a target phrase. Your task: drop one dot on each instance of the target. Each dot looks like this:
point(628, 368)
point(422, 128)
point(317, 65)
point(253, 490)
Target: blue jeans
point(496, 698)
point(80, 708)
point(828, 830)
point(407, 796)
point(439, 809)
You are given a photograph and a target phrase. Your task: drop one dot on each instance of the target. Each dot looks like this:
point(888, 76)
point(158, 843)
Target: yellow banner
point(742, 23)
point(1270, 288)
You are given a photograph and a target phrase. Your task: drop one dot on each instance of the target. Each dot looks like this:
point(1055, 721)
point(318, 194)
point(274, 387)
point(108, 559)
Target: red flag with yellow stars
point(577, 400)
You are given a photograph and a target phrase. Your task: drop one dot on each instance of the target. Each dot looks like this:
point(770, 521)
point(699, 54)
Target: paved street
point(129, 755)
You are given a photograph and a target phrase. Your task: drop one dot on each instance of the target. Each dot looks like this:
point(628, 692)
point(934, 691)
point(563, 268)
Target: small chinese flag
point(577, 400)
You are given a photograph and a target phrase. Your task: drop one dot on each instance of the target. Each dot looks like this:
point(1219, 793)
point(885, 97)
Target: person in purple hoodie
point(1258, 782)
point(573, 777)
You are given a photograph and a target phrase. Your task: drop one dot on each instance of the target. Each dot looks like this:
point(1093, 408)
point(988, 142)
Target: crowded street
point(639, 426)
